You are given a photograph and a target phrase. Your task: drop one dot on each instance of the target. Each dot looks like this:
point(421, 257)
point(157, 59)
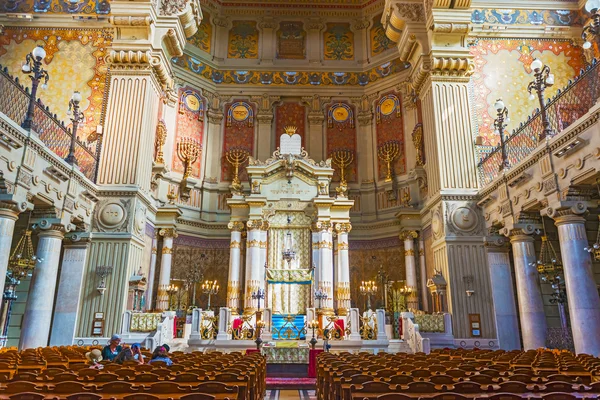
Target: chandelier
point(550, 269)
point(288, 253)
point(22, 261)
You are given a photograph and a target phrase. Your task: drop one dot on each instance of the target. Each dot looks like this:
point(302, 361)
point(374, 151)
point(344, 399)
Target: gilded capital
point(234, 245)
point(321, 226)
point(408, 235)
point(168, 232)
point(343, 227)
point(236, 226)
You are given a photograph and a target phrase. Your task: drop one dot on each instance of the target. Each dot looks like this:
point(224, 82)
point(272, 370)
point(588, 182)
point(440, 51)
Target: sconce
point(102, 271)
point(468, 281)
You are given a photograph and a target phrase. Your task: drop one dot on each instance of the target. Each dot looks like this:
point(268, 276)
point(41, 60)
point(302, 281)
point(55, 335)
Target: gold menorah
point(236, 157)
point(387, 152)
point(342, 158)
point(159, 142)
point(188, 151)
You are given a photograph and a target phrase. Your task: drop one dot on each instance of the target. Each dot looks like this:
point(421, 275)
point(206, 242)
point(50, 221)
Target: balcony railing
point(563, 109)
point(53, 133)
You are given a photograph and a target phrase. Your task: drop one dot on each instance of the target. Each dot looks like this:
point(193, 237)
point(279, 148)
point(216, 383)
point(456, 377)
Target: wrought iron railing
point(568, 105)
point(53, 133)
point(243, 327)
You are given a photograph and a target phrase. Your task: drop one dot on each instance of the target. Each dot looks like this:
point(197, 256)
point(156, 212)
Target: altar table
point(286, 355)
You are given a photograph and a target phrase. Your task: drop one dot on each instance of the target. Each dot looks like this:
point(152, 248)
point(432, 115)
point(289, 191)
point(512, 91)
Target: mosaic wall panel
point(189, 266)
point(75, 60)
point(502, 70)
point(528, 17)
point(290, 114)
point(101, 7)
point(190, 124)
point(291, 41)
point(243, 40)
point(341, 135)
point(239, 133)
point(338, 42)
point(367, 257)
point(379, 41)
point(203, 37)
point(390, 127)
point(289, 78)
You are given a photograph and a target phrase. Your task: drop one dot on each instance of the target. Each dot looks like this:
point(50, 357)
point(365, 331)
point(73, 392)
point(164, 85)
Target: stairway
point(281, 329)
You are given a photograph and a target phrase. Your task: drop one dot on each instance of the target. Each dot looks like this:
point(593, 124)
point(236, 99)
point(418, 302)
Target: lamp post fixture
point(543, 79)
point(313, 324)
point(258, 296)
point(367, 289)
point(500, 123)
point(171, 290)
point(77, 118)
point(33, 67)
point(406, 291)
point(592, 28)
point(210, 288)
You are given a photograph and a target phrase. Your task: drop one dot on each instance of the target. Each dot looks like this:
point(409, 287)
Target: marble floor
point(290, 395)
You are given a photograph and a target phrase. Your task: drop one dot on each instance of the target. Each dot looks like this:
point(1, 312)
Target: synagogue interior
point(368, 198)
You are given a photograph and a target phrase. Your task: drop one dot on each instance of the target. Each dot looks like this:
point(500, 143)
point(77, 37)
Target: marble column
point(164, 279)
point(35, 327)
point(233, 284)
point(151, 274)
point(503, 294)
point(423, 269)
point(582, 293)
point(315, 142)
point(531, 306)
point(316, 265)
point(255, 269)
point(69, 289)
point(8, 217)
point(315, 26)
point(343, 270)
point(325, 278)
point(411, 266)
point(264, 135)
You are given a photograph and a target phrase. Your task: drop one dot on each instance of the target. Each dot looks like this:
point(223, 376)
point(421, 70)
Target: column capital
point(408, 235)
point(52, 227)
point(518, 235)
point(168, 233)
point(258, 225)
point(343, 227)
point(77, 239)
point(264, 118)
point(496, 244)
point(567, 210)
point(236, 226)
point(321, 226)
point(214, 118)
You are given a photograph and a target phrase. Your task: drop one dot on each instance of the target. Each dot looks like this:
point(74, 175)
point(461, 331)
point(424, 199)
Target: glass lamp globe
point(586, 45)
point(532, 96)
point(499, 105)
point(76, 97)
point(592, 6)
point(39, 52)
point(550, 80)
point(26, 68)
point(537, 64)
point(44, 86)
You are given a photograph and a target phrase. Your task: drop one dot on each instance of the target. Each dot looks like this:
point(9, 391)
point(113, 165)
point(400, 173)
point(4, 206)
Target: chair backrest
point(442, 379)
point(513, 387)
point(421, 387)
point(27, 396)
point(558, 396)
point(117, 387)
point(140, 396)
point(359, 379)
point(564, 387)
point(215, 387)
point(68, 387)
point(83, 396)
point(373, 387)
point(146, 377)
point(21, 387)
point(169, 388)
point(448, 396)
point(105, 377)
point(64, 377)
point(197, 396)
point(394, 396)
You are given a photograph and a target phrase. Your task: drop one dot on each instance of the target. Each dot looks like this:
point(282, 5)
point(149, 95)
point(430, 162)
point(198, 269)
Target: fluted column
point(325, 249)
point(423, 269)
point(151, 274)
point(531, 306)
point(264, 136)
point(164, 280)
point(35, 328)
point(582, 293)
point(8, 217)
point(343, 270)
point(69, 289)
point(507, 324)
point(233, 284)
point(255, 269)
point(411, 266)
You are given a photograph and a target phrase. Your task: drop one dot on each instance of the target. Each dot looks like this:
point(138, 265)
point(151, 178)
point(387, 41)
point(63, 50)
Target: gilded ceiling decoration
point(56, 6)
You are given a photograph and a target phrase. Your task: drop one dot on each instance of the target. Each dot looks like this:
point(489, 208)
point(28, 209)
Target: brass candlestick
point(342, 158)
point(387, 152)
point(159, 142)
point(188, 151)
point(236, 157)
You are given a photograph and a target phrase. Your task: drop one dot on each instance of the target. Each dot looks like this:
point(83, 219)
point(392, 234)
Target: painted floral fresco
point(190, 123)
point(243, 40)
point(502, 70)
point(379, 41)
point(339, 42)
point(101, 7)
point(239, 133)
point(390, 126)
point(203, 37)
point(528, 17)
point(290, 114)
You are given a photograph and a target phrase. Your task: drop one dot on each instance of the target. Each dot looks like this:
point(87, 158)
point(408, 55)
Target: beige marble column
point(164, 280)
point(8, 217)
point(531, 305)
point(152, 274)
point(582, 292)
point(212, 170)
point(343, 270)
point(255, 268)
point(423, 271)
point(35, 327)
point(68, 296)
point(325, 248)
point(233, 284)
point(411, 266)
point(503, 294)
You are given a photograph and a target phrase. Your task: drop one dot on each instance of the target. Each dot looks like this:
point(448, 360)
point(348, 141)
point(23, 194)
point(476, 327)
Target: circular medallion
point(464, 219)
point(388, 106)
point(140, 220)
point(240, 113)
point(340, 114)
point(436, 223)
point(192, 102)
point(111, 215)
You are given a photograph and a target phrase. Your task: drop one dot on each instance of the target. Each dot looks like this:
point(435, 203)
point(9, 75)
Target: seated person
point(136, 349)
point(124, 355)
point(110, 351)
point(160, 354)
point(94, 357)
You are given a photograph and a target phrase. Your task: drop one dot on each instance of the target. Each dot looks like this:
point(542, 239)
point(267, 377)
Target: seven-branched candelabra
point(236, 157)
point(342, 158)
point(188, 151)
point(387, 152)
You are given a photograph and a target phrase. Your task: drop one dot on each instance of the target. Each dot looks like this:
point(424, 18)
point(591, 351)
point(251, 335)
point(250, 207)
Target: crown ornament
point(290, 130)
